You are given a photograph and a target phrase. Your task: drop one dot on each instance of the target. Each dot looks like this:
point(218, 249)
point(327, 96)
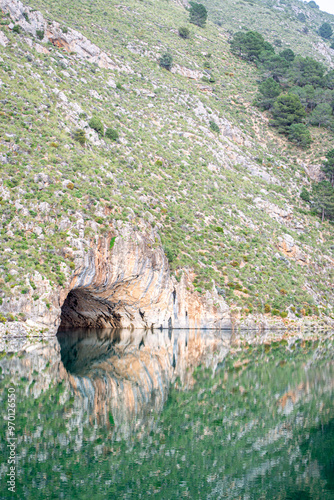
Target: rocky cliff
point(121, 280)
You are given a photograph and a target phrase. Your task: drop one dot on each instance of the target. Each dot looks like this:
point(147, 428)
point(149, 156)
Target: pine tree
point(197, 14)
point(322, 115)
point(287, 54)
point(307, 71)
point(323, 199)
point(250, 45)
point(269, 90)
point(325, 31)
point(273, 65)
point(300, 134)
point(328, 166)
point(287, 110)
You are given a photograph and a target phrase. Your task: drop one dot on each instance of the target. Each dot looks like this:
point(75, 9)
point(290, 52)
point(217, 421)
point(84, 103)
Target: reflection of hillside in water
point(127, 374)
point(262, 425)
point(116, 376)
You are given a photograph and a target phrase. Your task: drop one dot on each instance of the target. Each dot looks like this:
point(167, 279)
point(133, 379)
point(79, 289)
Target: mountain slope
point(287, 24)
point(226, 205)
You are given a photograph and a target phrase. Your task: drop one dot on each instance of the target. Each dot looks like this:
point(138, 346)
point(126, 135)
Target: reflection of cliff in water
point(116, 376)
point(124, 376)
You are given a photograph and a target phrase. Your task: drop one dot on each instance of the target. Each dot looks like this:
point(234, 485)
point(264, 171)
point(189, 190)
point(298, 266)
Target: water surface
point(169, 415)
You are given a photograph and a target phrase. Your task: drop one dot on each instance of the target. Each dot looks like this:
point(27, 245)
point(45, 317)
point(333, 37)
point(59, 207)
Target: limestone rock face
point(186, 72)
point(121, 280)
point(3, 39)
point(288, 247)
point(273, 210)
point(130, 286)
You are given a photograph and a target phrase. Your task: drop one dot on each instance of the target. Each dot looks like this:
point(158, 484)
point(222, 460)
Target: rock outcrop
point(121, 280)
point(288, 247)
point(186, 72)
point(32, 22)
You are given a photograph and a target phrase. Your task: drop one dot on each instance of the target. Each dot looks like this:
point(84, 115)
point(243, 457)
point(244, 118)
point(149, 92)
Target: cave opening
point(82, 308)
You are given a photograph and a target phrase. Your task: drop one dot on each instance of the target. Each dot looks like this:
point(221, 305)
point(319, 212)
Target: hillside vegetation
point(186, 150)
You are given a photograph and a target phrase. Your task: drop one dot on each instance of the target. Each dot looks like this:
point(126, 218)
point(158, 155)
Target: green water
point(258, 426)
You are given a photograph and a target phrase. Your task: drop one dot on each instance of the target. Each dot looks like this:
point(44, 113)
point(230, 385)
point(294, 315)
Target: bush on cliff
point(166, 61)
point(112, 134)
point(96, 124)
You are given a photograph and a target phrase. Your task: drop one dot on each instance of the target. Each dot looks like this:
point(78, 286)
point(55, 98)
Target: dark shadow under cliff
point(82, 309)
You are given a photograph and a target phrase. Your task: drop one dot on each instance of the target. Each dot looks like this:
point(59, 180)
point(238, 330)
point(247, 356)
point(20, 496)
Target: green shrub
point(96, 124)
point(214, 126)
point(305, 195)
point(283, 314)
point(40, 34)
point(112, 134)
point(80, 136)
point(166, 61)
point(17, 29)
point(112, 242)
point(184, 32)
point(267, 308)
point(170, 254)
point(64, 29)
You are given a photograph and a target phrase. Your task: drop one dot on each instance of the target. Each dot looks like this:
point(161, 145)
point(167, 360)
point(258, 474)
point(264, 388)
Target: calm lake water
point(169, 415)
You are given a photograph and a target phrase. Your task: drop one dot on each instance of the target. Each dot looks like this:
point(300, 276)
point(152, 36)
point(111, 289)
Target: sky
point(326, 5)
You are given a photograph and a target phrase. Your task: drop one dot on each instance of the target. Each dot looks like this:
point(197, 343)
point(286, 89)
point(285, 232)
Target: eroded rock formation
point(130, 286)
point(121, 280)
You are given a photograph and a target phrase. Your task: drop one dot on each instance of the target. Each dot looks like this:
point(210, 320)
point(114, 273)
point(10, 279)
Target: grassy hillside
point(222, 202)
